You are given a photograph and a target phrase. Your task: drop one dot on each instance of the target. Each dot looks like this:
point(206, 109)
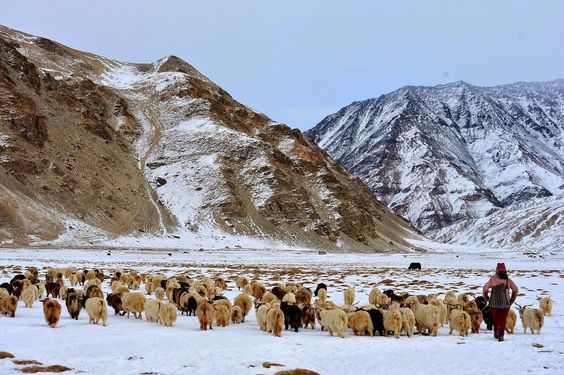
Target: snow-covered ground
point(134, 347)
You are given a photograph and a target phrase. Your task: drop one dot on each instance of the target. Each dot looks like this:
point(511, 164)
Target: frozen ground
point(135, 347)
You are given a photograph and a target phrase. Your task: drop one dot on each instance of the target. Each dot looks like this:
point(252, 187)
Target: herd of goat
point(289, 305)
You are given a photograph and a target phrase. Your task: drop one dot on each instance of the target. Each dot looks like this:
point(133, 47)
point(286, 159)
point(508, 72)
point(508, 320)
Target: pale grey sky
point(298, 61)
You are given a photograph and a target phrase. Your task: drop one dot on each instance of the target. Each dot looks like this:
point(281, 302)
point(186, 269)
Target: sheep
point(96, 309)
point(114, 300)
point(334, 321)
point(9, 305)
point(152, 308)
point(510, 322)
point(133, 302)
point(289, 298)
point(74, 305)
point(241, 282)
point(392, 322)
point(275, 321)
point(236, 315)
point(167, 314)
point(159, 293)
point(206, 315)
point(460, 321)
point(545, 305)
point(245, 303)
point(426, 316)
point(531, 318)
point(361, 323)
point(28, 296)
point(222, 315)
point(348, 296)
point(51, 312)
point(475, 315)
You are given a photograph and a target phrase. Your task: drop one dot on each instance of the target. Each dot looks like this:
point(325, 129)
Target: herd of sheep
point(289, 305)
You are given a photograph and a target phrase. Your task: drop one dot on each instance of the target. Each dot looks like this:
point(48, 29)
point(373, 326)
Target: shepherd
point(499, 300)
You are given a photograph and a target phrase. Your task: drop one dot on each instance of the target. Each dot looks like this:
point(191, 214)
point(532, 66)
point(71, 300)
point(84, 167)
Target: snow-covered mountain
point(445, 154)
point(92, 148)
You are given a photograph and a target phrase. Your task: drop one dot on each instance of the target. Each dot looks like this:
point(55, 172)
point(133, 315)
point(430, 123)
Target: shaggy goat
point(275, 321)
point(361, 323)
point(510, 322)
point(245, 303)
point(545, 305)
point(28, 296)
point(427, 317)
point(531, 318)
point(152, 308)
point(159, 293)
point(236, 315)
point(114, 300)
point(348, 296)
point(460, 321)
point(9, 305)
point(222, 315)
point(133, 303)
point(334, 321)
point(206, 315)
point(96, 309)
point(392, 322)
point(167, 314)
point(475, 315)
point(51, 312)
point(241, 282)
point(74, 305)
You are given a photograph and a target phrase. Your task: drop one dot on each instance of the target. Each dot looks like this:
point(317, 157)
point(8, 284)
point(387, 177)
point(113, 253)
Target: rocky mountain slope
point(452, 153)
point(92, 148)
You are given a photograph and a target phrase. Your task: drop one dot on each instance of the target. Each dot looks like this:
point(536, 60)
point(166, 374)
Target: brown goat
point(51, 311)
point(8, 306)
point(206, 315)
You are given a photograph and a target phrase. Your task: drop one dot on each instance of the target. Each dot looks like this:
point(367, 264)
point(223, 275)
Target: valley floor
point(128, 346)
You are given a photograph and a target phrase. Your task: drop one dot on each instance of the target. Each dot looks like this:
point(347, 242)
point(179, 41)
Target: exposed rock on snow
point(159, 150)
point(451, 153)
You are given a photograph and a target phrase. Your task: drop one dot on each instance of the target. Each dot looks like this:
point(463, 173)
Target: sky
point(298, 61)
